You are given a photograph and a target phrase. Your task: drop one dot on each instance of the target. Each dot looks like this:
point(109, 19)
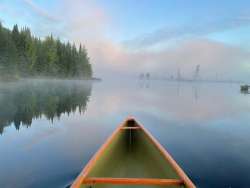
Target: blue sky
point(153, 35)
point(147, 16)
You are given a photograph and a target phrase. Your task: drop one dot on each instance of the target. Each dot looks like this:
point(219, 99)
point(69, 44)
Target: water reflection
point(245, 92)
point(144, 84)
point(205, 127)
point(21, 102)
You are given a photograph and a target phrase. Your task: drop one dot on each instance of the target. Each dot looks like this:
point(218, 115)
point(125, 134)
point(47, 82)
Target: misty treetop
point(23, 55)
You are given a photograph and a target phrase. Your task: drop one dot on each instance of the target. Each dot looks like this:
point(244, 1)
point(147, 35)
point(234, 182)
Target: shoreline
point(50, 78)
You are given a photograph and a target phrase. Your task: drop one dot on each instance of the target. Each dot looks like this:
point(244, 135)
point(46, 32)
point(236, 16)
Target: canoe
point(132, 157)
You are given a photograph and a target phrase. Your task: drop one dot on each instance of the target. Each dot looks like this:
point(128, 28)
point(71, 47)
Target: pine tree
point(25, 55)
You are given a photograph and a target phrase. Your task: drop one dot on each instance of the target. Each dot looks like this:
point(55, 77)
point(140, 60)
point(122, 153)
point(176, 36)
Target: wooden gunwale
point(168, 157)
point(82, 177)
point(79, 180)
point(133, 181)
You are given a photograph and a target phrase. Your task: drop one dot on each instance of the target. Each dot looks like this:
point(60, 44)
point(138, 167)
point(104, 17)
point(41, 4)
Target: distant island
point(22, 55)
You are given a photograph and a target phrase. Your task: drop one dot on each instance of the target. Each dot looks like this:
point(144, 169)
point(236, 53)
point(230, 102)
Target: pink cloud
point(213, 57)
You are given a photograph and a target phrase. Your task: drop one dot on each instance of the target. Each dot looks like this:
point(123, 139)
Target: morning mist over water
point(125, 94)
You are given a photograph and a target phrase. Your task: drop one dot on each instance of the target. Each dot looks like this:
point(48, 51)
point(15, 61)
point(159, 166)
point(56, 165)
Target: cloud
point(75, 21)
point(89, 23)
point(196, 29)
point(244, 18)
point(213, 57)
point(83, 20)
point(40, 11)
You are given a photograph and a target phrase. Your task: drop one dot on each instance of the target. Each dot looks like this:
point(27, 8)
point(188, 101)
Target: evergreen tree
point(24, 55)
point(8, 54)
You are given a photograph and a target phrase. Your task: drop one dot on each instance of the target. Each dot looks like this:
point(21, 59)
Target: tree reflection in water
point(22, 101)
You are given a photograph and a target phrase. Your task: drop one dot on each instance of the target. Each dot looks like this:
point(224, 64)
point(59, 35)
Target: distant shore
point(15, 79)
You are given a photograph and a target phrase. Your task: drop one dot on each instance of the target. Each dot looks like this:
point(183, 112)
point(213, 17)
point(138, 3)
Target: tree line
point(23, 55)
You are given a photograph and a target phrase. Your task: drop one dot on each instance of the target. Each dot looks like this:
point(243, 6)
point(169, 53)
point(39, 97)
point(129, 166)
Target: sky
point(125, 38)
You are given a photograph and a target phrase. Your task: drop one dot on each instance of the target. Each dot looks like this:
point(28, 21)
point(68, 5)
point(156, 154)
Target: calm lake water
point(50, 129)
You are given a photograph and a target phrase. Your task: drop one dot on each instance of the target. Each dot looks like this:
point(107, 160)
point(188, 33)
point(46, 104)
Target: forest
point(23, 55)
